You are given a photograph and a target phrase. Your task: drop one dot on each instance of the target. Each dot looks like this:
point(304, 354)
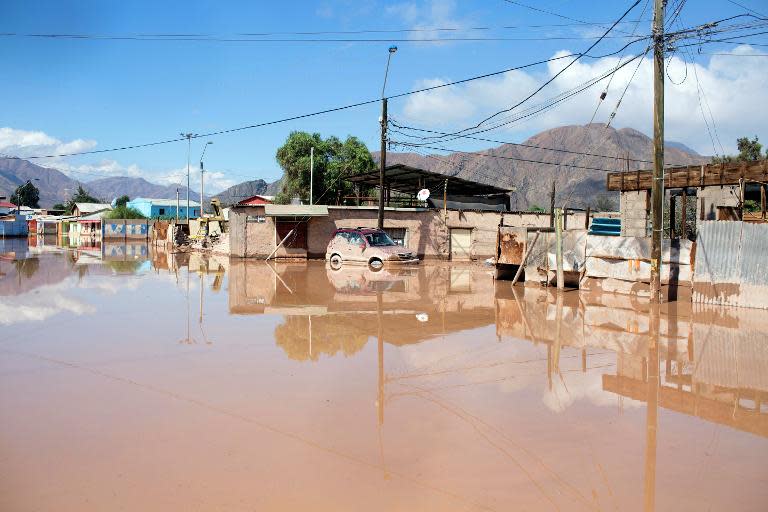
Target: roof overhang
point(295, 210)
point(409, 180)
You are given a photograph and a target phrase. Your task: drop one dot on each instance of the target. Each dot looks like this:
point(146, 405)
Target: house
point(81, 209)
point(254, 200)
point(6, 207)
point(154, 208)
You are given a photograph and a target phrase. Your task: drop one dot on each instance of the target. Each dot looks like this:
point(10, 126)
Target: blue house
point(154, 208)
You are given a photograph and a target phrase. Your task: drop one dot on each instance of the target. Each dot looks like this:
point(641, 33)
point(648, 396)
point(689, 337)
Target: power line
point(105, 37)
point(549, 81)
point(532, 146)
point(746, 8)
point(486, 155)
point(302, 116)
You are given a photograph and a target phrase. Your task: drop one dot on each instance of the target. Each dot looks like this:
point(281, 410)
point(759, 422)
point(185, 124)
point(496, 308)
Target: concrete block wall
point(126, 229)
point(428, 231)
point(634, 213)
point(709, 198)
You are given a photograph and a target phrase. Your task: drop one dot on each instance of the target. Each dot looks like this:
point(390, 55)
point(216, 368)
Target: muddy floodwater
point(133, 379)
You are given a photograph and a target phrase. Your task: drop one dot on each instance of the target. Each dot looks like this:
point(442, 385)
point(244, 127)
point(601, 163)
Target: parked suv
point(365, 245)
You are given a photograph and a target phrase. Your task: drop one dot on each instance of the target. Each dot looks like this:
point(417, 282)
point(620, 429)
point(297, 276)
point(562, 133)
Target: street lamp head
point(392, 49)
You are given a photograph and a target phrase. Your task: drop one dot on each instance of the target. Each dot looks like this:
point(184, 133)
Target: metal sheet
point(731, 264)
point(512, 243)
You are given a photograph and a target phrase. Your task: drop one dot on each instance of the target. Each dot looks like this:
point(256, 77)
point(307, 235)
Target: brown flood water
point(138, 380)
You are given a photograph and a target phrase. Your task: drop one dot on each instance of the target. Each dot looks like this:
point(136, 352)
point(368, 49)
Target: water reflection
point(490, 397)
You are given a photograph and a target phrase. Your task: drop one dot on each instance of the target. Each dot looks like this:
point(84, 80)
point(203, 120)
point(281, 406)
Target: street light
point(202, 170)
point(383, 152)
point(189, 137)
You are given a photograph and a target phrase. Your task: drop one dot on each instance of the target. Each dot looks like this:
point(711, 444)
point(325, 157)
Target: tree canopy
point(749, 151)
point(122, 201)
point(333, 161)
point(26, 195)
point(81, 196)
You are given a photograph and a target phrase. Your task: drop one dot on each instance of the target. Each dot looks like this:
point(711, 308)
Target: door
point(461, 244)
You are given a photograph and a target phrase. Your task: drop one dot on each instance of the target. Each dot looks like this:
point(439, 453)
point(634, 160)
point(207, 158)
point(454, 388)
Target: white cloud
point(731, 86)
point(427, 16)
point(26, 143)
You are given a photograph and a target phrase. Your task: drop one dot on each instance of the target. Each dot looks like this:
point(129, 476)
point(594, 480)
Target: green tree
point(122, 200)
point(333, 161)
point(536, 209)
point(26, 195)
point(81, 196)
point(749, 150)
point(124, 212)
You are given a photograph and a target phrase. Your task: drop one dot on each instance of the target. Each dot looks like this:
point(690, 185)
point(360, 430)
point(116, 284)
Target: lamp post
point(202, 171)
point(189, 137)
point(383, 152)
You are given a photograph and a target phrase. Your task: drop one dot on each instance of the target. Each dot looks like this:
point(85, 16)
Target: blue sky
point(65, 94)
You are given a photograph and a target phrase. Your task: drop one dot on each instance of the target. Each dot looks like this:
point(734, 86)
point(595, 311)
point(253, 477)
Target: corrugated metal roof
point(164, 202)
point(295, 210)
point(92, 207)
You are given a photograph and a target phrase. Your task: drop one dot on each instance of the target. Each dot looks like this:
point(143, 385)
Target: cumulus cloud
point(25, 143)
point(729, 85)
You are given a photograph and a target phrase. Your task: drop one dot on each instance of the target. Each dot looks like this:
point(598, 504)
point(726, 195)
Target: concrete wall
point(635, 211)
point(427, 231)
point(709, 198)
point(126, 229)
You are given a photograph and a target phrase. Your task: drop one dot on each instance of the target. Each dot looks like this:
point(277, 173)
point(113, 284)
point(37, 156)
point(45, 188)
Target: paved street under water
point(132, 379)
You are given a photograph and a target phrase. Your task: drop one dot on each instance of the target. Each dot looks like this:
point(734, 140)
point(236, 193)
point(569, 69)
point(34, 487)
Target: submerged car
point(365, 245)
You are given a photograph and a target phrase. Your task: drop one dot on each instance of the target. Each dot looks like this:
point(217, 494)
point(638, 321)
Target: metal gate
point(461, 244)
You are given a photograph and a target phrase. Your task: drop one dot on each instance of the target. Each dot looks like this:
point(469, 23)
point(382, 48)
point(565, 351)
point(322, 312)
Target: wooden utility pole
point(552, 205)
point(657, 186)
point(559, 247)
point(382, 161)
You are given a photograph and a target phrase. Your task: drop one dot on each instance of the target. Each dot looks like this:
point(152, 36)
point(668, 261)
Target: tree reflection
point(304, 338)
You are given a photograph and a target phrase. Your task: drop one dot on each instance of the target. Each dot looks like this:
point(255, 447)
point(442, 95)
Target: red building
point(255, 200)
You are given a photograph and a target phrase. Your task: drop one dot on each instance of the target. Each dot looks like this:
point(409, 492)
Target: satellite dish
point(423, 195)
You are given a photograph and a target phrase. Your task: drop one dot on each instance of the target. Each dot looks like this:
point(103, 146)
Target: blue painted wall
point(153, 211)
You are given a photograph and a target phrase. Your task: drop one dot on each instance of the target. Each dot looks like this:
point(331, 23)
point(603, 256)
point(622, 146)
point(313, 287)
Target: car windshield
point(378, 239)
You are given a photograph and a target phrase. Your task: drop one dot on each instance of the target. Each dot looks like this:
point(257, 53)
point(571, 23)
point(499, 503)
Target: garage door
point(461, 243)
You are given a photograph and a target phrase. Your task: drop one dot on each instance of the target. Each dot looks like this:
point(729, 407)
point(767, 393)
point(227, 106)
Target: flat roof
point(295, 210)
point(409, 180)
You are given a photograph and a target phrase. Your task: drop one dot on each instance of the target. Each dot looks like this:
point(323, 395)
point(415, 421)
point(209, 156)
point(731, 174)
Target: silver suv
point(365, 245)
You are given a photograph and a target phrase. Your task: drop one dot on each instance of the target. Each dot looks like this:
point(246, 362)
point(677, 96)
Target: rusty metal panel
point(512, 243)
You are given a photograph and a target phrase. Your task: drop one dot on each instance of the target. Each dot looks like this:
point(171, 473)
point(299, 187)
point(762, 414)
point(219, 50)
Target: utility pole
point(311, 174)
point(552, 205)
point(202, 172)
point(177, 205)
point(657, 185)
point(383, 154)
point(188, 136)
point(382, 161)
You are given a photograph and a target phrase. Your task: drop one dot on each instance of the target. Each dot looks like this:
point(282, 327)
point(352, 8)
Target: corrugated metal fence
point(731, 264)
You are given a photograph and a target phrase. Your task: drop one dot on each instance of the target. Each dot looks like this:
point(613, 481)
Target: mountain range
point(519, 166)
point(57, 187)
point(579, 178)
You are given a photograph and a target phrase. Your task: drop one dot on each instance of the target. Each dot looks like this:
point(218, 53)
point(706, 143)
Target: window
point(355, 238)
point(398, 235)
point(379, 239)
point(161, 211)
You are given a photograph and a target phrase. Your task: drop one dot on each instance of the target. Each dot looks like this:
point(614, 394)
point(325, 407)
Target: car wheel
point(336, 262)
point(376, 264)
